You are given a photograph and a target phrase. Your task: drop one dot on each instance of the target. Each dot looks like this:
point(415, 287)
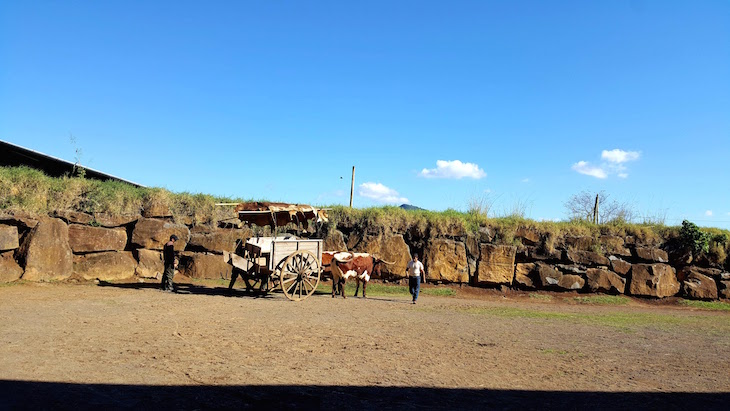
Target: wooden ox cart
point(285, 262)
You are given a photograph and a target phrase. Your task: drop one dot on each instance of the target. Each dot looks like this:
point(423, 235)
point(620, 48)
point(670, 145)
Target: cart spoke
point(289, 290)
point(299, 275)
point(311, 286)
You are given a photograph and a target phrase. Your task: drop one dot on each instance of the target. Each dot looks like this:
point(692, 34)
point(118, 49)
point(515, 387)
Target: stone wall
point(603, 264)
point(77, 245)
point(85, 246)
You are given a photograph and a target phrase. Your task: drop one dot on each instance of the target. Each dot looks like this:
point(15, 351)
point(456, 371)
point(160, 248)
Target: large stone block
point(472, 246)
point(540, 254)
point(19, 219)
point(445, 260)
point(571, 282)
point(149, 263)
point(684, 272)
point(334, 241)
point(600, 280)
point(111, 220)
point(73, 217)
point(486, 234)
point(548, 276)
point(524, 274)
point(651, 254)
point(529, 236)
point(8, 237)
point(9, 268)
point(45, 252)
point(699, 287)
point(84, 239)
point(105, 266)
point(394, 249)
point(204, 265)
point(218, 240)
point(589, 258)
point(653, 280)
point(496, 264)
point(152, 234)
point(619, 266)
point(389, 247)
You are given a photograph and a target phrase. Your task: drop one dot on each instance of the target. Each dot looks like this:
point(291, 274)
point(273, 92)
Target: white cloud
point(620, 156)
point(586, 168)
point(380, 193)
point(612, 164)
point(525, 180)
point(708, 213)
point(487, 191)
point(453, 169)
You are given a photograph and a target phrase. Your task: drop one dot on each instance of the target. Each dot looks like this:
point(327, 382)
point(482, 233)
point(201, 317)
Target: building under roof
point(12, 155)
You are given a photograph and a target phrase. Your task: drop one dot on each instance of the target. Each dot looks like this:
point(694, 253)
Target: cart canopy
point(263, 213)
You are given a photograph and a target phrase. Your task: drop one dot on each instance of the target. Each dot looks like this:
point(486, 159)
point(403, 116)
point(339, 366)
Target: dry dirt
point(131, 346)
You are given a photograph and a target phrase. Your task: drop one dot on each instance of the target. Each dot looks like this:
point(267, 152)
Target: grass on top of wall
point(30, 190)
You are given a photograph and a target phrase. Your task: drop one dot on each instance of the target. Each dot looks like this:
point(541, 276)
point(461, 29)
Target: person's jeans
point(167, 276)
point(414, 286)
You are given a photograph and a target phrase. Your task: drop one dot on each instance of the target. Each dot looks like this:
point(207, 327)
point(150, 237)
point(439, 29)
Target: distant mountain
point(411, 207)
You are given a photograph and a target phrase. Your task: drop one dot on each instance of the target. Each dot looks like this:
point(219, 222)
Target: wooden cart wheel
point(299, 276)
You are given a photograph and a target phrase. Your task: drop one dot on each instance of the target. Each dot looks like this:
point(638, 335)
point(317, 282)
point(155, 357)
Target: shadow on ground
point(65, 396)
point(185, 288)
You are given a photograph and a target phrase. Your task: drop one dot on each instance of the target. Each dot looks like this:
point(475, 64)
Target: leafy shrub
point(693, 239)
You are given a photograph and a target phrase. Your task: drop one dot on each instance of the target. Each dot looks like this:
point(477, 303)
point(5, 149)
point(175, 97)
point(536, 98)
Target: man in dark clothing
point(170, 259)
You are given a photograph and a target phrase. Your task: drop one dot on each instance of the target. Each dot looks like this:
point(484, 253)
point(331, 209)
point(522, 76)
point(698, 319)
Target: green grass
point(29, 190)
point(439, 291)
point(541, 297)
point(626, 322)
point(707, 305)
point(377, 289)
point(603, 300)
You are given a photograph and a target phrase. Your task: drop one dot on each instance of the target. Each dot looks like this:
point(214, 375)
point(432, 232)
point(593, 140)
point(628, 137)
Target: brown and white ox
point(360, 266)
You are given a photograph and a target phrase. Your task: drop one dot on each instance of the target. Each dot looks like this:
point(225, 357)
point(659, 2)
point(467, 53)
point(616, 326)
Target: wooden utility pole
point(352, 185)
point(595, 211)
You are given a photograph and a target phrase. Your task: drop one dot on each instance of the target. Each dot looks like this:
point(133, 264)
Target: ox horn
point(350, 256)
point(385, 262)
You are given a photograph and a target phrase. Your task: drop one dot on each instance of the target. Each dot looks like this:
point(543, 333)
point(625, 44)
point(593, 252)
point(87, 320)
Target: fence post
point(352, 185)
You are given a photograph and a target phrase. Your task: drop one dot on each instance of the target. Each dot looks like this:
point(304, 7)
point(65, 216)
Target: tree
point(580, 207)
point(694, 239)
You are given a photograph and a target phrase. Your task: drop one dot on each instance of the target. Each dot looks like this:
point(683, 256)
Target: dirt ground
point(131, 346)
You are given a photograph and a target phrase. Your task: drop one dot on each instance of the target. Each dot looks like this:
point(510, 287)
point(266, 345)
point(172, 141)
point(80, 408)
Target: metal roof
point(12, 155)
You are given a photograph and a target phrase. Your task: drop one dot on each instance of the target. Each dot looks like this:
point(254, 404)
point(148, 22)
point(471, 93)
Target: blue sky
point(522, 103)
